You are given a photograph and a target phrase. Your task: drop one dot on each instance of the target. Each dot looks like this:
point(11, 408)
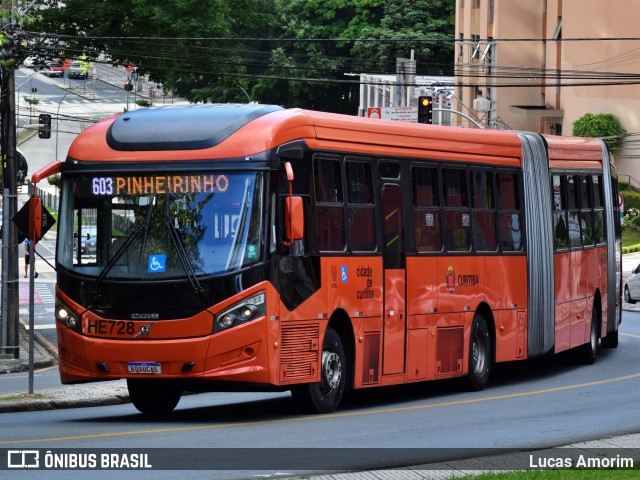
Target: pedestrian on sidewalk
point(27, 258)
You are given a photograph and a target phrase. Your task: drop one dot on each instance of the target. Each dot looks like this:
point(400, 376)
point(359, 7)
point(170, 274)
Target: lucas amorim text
point(582, 461)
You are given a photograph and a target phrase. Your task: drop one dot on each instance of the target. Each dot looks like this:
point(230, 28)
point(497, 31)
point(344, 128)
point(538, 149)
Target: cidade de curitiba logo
point(467, 280)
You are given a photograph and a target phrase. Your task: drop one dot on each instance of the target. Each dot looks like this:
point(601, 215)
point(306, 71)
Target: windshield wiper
point(137, 230)
point(182, 255)
point(147, 222)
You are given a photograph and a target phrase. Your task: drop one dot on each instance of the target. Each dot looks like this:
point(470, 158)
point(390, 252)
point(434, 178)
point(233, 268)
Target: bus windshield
point(147, 227)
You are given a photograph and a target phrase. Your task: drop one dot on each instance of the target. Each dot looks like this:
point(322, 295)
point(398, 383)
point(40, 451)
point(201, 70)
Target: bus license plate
point(145, 368)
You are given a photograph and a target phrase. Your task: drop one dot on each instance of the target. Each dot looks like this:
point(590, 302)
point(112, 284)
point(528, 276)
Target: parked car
point(75, 70)
point(87, 240)
point(53, 69)
point(631, 288)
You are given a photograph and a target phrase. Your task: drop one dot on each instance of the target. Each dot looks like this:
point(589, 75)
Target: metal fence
point(49, 200)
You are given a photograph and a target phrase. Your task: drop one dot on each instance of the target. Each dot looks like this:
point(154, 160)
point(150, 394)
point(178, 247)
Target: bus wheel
point(587, 353)
point(611, 340)
point(324, 396)
point(479, 354)
point(153, 396)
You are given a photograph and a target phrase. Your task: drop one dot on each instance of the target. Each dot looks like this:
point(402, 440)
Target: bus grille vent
point(299, 352)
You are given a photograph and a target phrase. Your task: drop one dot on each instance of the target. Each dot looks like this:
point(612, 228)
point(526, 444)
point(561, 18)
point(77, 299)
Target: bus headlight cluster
point(66, 315)
point(243, 312)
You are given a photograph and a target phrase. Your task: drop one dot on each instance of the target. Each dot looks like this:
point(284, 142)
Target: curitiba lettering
point(468, 280)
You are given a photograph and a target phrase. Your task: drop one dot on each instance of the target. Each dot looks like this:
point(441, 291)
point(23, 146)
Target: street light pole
point(58, 122)
point(10, 286)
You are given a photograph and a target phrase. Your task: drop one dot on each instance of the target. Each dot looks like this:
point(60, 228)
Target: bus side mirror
point(293, 219)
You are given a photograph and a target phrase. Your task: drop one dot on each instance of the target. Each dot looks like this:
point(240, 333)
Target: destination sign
point(158, 184)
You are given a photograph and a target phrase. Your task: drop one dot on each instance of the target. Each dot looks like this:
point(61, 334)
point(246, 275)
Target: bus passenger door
point(394, 326)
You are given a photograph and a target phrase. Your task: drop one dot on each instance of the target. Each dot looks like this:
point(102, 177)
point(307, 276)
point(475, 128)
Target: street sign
point(402, 114)
point(36, 224)
point(374, 112)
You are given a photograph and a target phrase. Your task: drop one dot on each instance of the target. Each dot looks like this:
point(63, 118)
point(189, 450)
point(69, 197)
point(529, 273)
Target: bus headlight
point(243, 312)
point(65, 315)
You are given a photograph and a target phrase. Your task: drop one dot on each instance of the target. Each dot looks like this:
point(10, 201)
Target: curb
point(41, 402)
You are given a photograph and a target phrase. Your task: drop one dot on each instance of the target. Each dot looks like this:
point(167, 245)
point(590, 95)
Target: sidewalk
point(66, 396)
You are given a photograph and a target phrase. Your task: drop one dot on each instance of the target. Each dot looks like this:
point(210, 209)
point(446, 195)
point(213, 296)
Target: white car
point(632, 286)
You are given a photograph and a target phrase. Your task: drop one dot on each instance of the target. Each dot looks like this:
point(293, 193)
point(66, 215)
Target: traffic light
point(128, 85)
point(44, 125)
point(425, 109)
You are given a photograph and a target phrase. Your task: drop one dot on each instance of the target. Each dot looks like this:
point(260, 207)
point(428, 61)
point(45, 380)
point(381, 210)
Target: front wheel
point(325, 396)
point(627, 295)
point(153, 396)
point(480, 354)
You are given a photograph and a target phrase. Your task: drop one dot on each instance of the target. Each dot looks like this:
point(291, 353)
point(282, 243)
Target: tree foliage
point(287, 52)
point(599, 125)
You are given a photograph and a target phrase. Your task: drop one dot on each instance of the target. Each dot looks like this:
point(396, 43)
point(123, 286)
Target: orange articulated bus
point(249, 247)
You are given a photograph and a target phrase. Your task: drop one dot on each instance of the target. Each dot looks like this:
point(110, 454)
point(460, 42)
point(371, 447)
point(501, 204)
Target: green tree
point(154, 35)
point(424, 26)
point(600, 125)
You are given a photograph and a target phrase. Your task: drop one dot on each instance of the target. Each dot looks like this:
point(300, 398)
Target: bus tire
point(480, 353)
point(153, 396)
point(325, 396)
point(588, 352)
point(611, 340)
point(627, 295)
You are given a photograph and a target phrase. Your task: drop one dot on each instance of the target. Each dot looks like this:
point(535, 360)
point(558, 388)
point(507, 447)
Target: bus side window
point(586, 211)
point(361, 209)
point(598, 212)
point(573, 199)
point(329, 204)
point(509, 218)
point(561, 238)
point(426, 209)
point(484, 216)
point(456, 210)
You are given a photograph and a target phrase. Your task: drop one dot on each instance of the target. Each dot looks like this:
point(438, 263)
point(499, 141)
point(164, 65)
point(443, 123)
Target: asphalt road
point(547, 402)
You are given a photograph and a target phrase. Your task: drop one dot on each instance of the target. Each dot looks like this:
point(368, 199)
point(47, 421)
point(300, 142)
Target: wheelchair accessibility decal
point(157, 263)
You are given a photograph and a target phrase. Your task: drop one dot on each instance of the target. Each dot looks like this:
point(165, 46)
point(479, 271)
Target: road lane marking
point(321, 417)
point(630, 335)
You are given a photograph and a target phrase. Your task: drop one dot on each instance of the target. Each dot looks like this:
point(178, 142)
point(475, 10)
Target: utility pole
point(10, 287)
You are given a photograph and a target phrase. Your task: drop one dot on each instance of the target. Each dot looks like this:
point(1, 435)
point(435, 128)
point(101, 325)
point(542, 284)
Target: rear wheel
point(480, 354)
point(588, 352)
point(611, 340)
point(627, 295)
point(325, 396)
point(153, 396)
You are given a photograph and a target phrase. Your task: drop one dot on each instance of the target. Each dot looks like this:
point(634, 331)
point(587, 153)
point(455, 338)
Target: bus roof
point(199, 132)
point(581, 152)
